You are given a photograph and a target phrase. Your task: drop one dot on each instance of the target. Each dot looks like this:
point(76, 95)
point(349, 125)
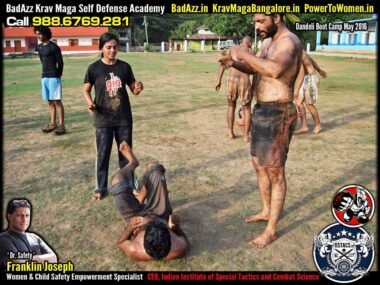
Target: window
point(73, 42)
point(339, 38)
point(95, 42)
point(7, 44)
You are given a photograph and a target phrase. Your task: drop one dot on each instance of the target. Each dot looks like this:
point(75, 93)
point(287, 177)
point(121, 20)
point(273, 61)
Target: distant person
point(111, 107)
point(238, 85)
point(52, 69)
point(16, 242)
point(306, 92)
point(153, 231)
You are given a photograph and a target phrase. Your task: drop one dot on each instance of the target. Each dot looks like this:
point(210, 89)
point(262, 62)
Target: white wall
point(334, 39)
point(372, 38)
point(64, 41)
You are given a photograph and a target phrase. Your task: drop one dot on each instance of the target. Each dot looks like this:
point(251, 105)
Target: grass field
point(180, 120)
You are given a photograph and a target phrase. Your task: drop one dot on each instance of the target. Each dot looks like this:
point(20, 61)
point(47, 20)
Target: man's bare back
point(131, 241)
point(307, 64)
point(233, 71)
point(238, 85)
point(310, 66)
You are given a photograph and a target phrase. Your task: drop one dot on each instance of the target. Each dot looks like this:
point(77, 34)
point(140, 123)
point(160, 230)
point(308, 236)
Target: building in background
point(203, 40)
point(125, 37)
point(358, 41)
point(69, 39)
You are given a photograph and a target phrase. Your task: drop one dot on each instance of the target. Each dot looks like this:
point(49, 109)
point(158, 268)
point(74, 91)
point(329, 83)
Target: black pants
point(104, 140)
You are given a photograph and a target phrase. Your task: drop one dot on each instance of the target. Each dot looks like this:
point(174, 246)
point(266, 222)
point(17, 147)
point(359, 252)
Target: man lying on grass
point(152, 231)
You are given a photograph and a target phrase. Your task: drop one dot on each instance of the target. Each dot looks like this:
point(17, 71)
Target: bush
point(148, 48)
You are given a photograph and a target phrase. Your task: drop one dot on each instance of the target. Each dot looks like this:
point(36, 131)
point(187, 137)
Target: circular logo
point(353, 206)
point(343, 254)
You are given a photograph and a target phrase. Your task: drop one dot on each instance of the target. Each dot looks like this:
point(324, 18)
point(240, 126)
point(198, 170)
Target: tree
point(229, 24)
point(159, 27)
point(184, 29)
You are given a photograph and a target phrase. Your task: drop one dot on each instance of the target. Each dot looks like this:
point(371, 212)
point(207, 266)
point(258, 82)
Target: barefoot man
point(238, 84)
point(153, 231)
point(274, 115)
point(306, 91)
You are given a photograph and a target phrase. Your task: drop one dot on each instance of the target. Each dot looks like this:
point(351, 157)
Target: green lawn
point(180, 120)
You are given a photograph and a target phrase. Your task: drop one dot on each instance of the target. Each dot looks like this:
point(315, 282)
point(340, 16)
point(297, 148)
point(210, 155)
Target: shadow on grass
point(342, 117)
point(210, 222)
point(57, 178)
point(214, 222)
point(308, 199)
point(39, 120)
point(167, 114)
point(204, 165)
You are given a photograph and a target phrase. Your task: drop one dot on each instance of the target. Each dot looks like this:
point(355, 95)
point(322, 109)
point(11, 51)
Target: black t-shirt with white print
point(111, 97)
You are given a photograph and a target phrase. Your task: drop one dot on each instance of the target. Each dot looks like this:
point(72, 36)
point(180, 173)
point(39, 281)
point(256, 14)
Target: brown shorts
point(239, 86)
point(273, 125)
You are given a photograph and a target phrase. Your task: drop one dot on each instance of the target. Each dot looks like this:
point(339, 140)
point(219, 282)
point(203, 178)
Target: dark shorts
point(125, 201)
point(273, 125)
point(157, 201)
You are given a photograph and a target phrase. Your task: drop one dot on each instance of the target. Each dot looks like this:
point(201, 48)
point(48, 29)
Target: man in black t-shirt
point(51, 84)
point(16, 244)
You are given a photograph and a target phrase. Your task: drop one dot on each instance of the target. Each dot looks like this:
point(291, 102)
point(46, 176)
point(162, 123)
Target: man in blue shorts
point(52, 68)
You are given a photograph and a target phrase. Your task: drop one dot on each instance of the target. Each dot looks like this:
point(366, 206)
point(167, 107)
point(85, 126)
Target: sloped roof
point(359, 20)
point(206, 37)
point(20, 32)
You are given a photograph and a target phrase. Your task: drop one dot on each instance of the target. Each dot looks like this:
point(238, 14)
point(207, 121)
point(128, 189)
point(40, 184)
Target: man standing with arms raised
point(274, 116)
